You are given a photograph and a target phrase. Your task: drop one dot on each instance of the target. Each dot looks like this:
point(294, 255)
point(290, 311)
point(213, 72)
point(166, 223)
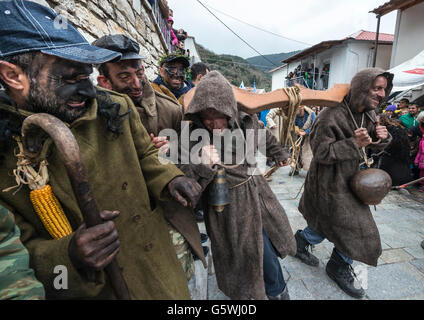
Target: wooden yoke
point(254, 102)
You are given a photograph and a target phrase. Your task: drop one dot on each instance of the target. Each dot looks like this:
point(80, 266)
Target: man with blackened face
point(45, 69)
point(126, 75)
point(157, 112)
point(172, 77)
point(57, 86)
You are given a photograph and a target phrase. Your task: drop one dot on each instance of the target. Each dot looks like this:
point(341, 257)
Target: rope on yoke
point(286, 134)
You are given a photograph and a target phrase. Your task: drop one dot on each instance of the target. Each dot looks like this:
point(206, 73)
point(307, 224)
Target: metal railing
point(319, 82)
point(161, 21)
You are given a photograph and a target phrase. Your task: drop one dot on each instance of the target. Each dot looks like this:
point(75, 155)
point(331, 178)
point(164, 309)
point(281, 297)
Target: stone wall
point(134, 18)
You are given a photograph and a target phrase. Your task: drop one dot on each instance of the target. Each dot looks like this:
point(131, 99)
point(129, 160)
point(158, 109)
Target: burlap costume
point(328, 204)
point(236, 233)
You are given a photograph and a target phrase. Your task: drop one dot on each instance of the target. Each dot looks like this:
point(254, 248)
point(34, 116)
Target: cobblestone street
point(400, 270)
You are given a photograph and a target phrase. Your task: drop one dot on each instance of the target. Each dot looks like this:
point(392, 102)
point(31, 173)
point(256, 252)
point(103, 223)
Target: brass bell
point(371, 185)
point(218, 193)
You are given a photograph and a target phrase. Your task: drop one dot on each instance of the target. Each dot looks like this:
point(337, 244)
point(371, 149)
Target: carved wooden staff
point(70, 154)
point(254, 102)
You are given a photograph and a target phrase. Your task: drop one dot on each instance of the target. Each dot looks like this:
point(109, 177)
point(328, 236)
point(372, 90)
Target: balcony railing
point(161, 21)
point(319, 82)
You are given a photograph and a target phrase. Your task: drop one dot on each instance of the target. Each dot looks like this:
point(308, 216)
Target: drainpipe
point(376, 40)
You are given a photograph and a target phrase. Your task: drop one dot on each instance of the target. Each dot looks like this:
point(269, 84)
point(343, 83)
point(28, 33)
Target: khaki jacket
point(157, 112)
point(164, 90)
point(125, 174)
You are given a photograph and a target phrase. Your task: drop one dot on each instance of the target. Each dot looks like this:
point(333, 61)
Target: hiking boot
point(343, 274)
point(282, 296)
point(302, 250)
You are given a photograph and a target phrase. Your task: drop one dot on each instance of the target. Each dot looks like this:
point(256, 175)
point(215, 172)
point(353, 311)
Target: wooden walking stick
point(65, 142)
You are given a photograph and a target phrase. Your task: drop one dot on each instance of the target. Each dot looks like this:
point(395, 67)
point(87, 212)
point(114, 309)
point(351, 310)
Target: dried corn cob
point(50, 212)
point(45, 203)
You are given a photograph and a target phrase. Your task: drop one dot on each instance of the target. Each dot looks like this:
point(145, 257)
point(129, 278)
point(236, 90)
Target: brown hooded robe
point(236, 233)
point(328, 204)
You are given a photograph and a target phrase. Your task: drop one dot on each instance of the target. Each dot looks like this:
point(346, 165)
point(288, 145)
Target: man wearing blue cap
point(46, 69)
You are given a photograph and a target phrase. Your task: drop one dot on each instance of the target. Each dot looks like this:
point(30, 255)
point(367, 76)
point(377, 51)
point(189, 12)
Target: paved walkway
point(398, 275)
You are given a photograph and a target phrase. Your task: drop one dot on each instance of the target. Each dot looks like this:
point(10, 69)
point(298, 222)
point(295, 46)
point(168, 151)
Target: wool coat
point(236, 233)
point(158, 112)
point(328, 204)
point(125, 174)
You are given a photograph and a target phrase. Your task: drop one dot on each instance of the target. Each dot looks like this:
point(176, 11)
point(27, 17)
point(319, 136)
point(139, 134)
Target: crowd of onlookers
point(177, 37)
point(404, 158)
point(309, 77)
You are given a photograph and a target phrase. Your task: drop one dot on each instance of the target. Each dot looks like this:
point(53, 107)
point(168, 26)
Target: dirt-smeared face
point(376, 94)
point(60, 87)
point(128, 77)
point(214, 120)
point(173, 73)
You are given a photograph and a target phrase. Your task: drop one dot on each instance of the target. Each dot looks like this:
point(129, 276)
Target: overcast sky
point(307, 21)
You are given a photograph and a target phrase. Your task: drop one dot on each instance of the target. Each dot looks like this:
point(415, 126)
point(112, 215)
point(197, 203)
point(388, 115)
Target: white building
point(408, 44)
point(343, 58)
point(189, 44)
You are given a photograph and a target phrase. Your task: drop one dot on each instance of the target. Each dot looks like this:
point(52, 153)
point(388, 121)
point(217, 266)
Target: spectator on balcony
point(289, 79)
point(181, 35)
point(173, 72)
point(180, 48)
point(324, 77)
point(174, 39)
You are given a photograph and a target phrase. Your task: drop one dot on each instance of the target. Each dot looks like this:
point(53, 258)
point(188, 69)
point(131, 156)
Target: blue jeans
point(273, 275)
point(314, 238)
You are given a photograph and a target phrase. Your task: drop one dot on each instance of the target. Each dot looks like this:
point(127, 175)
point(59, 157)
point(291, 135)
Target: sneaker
point(204, 237)
point(302, 252)
point(205, 252)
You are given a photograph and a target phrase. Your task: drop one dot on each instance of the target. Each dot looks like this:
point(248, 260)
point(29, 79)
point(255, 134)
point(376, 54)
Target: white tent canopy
point(409, 74)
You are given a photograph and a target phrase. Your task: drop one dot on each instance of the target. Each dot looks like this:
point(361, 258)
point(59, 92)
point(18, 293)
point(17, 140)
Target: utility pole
point(376, 41)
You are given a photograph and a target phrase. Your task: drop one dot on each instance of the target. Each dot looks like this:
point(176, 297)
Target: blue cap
point(27, 26)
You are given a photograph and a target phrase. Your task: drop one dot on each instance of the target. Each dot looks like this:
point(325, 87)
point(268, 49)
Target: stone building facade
point(134, 18)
